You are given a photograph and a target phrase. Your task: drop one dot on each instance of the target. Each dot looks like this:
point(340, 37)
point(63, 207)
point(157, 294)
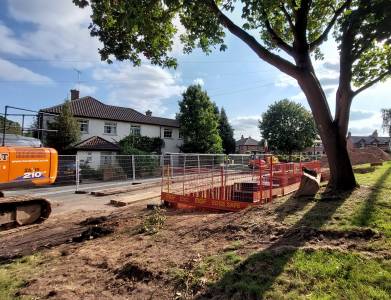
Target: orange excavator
point(25, 166)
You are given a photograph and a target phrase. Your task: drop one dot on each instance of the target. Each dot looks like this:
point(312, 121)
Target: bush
point(139, 145)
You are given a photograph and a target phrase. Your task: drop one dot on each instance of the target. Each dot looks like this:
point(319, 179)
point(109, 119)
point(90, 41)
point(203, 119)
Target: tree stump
point(309, 185)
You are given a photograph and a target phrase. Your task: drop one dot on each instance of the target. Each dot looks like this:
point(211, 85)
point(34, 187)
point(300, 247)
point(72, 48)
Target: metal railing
point(81, 171)
point(229, 182)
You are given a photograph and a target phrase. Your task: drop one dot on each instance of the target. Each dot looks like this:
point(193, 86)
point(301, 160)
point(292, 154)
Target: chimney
point(75, 94)
point(148, 113)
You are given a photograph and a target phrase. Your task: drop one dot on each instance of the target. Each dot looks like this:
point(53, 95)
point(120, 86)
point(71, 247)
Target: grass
point(202, 272)
point(15, 275)
point(299, 273)
point(282, 272)
point(321, 274)
point(372, 178)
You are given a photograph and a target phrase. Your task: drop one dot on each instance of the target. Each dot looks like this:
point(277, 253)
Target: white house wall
point(96, 128)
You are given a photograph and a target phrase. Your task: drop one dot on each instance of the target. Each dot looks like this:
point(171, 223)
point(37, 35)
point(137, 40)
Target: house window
point(167, 133)
point(135, 130)
point(110, 128)
point(83, 125)
point(106, 158)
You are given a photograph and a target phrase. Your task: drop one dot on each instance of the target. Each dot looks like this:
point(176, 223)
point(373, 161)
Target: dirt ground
point(134, 253)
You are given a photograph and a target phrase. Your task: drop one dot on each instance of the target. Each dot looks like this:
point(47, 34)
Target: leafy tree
point(137, 145)
point(67, 130)
point(198, 122)
point(386, 114)
point(132, 28)
point(10, 126)
point(288, 127)
point(226, 133)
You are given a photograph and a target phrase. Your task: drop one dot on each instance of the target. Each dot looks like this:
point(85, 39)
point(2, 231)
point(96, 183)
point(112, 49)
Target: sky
point(43, 43)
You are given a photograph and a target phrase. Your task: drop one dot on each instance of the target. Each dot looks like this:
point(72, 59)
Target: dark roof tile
point(89, 107)
point(96, 143)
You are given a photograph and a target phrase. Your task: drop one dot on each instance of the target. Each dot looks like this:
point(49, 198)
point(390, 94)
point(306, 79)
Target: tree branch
point(369, 84)
point(275, 37)
point(280, 63)
point(326, 32)
point(288, 17)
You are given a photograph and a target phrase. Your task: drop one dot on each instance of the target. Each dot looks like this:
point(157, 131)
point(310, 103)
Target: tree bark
point(333, 135)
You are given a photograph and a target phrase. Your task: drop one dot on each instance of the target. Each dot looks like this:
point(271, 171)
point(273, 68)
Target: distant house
point(372, 140)
point(247, 145)
point(102, 126)
point(316, 149)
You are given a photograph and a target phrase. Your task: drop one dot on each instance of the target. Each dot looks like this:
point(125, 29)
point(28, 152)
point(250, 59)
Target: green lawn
point(319, 273)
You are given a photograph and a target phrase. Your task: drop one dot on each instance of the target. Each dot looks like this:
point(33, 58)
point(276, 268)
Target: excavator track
point(23, 210)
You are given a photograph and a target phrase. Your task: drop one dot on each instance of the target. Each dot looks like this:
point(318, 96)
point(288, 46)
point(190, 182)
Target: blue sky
point(42, 42)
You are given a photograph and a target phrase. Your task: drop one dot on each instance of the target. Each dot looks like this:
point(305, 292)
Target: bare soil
point(105, 255)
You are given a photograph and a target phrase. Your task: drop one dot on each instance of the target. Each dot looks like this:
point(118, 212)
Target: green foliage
point(287, 126)
point(153, 223)
point(67, 130)
point(198, 122)
point(386, 114)
point(139, 145)
point(365, 30)
point(226, 133)
point(11, 127)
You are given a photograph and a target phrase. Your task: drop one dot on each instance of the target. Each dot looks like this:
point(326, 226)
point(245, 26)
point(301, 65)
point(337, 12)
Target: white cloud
point(142, 88)
point(60, 33)
point(246, 126)
point(47, 12)
point(365, 125)
point(10, 44)
point(11, 72)
point(199, 81)
point(86, 90)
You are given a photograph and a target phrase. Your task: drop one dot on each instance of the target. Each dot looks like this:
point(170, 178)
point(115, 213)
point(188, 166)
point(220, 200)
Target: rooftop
point(96, 143)
point(247, 142)
point(89, 107)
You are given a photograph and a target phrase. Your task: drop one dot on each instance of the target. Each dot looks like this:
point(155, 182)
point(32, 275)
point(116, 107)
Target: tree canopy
point(133, 29)
point(67, 130)
point(288, 127)
point(198, 122)
point(10, 126)
point(226, 133)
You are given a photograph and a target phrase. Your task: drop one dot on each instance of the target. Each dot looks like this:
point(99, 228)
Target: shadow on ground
point(255, 276)
point(365, 215)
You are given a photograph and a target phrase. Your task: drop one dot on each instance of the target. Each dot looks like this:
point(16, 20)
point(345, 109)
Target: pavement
point(64, 199)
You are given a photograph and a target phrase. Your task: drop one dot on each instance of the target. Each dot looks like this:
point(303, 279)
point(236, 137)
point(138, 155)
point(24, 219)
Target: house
point(372, 140)
point(316, 149)
point(102, 126)
point(247, 145)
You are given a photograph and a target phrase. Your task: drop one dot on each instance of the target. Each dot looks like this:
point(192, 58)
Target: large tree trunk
point(333, 136)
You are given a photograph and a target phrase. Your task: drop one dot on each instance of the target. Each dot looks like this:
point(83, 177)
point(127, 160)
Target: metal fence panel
point(66, 173)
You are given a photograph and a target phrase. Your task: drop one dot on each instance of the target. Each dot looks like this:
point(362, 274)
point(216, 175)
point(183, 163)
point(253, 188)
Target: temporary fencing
point(229, 182)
